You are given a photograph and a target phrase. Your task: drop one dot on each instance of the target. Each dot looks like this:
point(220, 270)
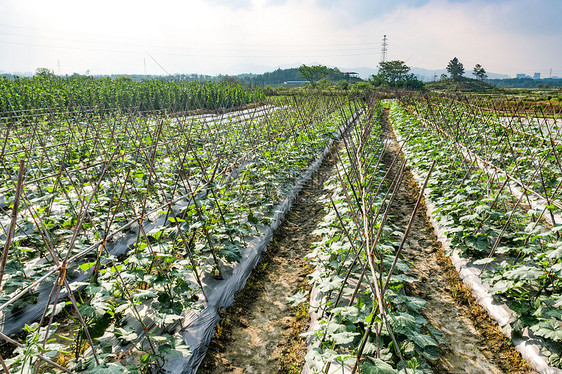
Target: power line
point(62, 35)
point(249, 54)
point(157, 63)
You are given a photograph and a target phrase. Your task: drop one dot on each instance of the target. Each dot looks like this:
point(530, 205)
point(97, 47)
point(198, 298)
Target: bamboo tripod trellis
point(99, 178)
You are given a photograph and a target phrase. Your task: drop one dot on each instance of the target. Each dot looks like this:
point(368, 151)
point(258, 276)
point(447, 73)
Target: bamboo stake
point(12, 222)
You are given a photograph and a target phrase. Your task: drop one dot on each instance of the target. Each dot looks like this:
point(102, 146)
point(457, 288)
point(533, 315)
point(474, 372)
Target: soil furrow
point(259, 333)
point(474, 342)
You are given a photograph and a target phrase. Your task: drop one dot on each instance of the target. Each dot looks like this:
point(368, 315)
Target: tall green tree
point(44, 72)
point(455, 68)
point(313, 73)
point(479, 72)
point(392, 72)
point(395, 74)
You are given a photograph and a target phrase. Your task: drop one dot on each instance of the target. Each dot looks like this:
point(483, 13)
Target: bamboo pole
point(14, 218)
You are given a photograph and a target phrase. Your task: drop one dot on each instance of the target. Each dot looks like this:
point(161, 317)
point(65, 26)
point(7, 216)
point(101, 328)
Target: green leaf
point(127, 335)
point(415, 303)
point(479, 242)
point(555, 254)
point(97, 329)
point(121, 308)
point(469, 217)
point(298, 298)
point(482, 208)
point(428, 346)
point(115, 268)
point(455, 229)
point(402, 323)
point(402, 278)
point(330, 284)
point(164, 319)
point(58, 308)
point(110, 368)
point(345, 337)
point(175, 220)
point(524, 272)
point(377, 366)
point(87, 310)
point(557, 301)
point(549, 329)
point(231, 253)
point(143, 295)
point(180, 350)
point(503, 286)
point(76, 285)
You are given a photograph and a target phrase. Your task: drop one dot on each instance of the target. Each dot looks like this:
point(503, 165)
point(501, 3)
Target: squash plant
point(134, 210)
point(483, 216)
point(358, 328)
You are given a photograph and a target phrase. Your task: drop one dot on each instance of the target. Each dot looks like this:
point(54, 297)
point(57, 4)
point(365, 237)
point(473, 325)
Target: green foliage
point(343, 85)
point(25, 358)
point(395, 74)
point(44, 73)
point(201, 187)
point(550, 329)
point(479, 72)
point(393, 71)
point(455, 68)
point(477, 214)
point(343, 328)
point(463, 84)
point(47, 91)
point(528, 83)
point(313, 73)
point(377, 366)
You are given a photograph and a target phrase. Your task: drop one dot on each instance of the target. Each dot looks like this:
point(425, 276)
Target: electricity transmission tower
point(384, 49)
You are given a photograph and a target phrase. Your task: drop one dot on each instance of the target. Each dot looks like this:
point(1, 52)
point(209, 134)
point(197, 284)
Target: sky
point(243, 36)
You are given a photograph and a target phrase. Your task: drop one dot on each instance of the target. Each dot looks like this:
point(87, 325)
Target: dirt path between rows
point(260, 332)
point(474, 342)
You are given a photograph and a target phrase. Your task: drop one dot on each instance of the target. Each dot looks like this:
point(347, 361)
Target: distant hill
point(280, 76)
point(273, 78)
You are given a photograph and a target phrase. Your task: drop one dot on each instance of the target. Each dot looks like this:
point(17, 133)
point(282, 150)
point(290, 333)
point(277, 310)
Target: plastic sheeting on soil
point(529, 345)
point(199, 323)
point(118, 242)
point(311, 367)
point(534, 200)
point(200, 327)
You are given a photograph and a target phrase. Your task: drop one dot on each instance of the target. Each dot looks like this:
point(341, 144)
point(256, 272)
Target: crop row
point(364, 320)
point(527, 148)
point(485, 217)
point(118, 228)
point(52, 94)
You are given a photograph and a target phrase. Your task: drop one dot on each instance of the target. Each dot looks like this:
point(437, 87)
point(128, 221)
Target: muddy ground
point(259, 333)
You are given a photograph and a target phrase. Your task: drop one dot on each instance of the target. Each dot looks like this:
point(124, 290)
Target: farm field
point(135, 213)
point(129, 220)
point(495, 198)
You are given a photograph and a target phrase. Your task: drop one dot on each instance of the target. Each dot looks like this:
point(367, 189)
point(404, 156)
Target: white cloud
point(210, 36)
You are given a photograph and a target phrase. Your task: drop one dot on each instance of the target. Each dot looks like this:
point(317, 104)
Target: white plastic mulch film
point(152, 173)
